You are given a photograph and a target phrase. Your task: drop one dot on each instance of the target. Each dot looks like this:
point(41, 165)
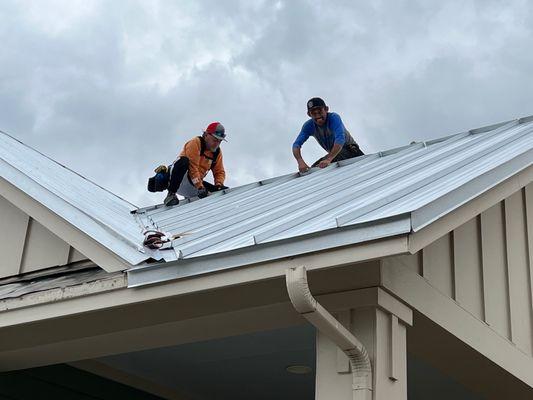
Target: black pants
point(347, 151)
point(179, 172)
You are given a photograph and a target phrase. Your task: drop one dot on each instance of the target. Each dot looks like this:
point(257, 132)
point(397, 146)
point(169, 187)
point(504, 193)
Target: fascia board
point(261, 253)
point(70, 232)
point(120, 296)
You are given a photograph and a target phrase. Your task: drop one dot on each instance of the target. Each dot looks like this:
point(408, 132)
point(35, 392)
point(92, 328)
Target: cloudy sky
point(113, 88)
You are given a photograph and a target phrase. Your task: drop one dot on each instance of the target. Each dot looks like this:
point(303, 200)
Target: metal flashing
point(265, 252)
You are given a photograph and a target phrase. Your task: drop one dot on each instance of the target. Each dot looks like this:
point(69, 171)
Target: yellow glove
point(161, 168)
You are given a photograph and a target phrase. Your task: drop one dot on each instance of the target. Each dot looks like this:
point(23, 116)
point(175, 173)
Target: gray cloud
point(112, 89)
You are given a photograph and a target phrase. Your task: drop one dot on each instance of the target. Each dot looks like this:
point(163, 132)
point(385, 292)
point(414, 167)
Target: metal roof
point(352, 192)
point(99, 213)
point(352, 201)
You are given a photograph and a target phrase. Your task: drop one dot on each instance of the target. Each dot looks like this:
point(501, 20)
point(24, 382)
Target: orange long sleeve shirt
point(199, 164)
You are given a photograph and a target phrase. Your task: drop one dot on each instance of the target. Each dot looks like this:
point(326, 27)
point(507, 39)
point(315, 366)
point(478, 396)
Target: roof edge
point(454, 199)
point(106, 258)
point(255, 254)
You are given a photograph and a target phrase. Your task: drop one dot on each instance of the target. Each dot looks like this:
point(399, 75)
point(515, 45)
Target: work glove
point(161, 168)
point(220, 187)
point(202, 192)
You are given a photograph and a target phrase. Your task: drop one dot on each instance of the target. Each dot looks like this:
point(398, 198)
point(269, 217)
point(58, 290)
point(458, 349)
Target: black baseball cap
point(315, 102)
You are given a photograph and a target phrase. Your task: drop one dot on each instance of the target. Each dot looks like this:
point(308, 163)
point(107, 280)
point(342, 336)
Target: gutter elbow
point(304, 302)
point(299, 292)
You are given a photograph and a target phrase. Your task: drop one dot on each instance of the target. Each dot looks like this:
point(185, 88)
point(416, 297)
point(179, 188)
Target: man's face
point(318, 114)
point(212, 142)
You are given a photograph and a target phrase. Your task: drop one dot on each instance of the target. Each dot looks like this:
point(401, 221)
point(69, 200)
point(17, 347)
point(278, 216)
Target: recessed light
point(298, 369)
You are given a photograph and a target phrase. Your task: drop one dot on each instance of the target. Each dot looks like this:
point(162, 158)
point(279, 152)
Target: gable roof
point(371, 197)
point(93, 210)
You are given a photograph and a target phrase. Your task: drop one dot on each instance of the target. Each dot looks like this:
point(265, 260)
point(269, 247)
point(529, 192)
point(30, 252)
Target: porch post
point(384, 336)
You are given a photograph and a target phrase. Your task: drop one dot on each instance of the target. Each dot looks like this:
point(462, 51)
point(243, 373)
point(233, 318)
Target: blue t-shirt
point(332, 132)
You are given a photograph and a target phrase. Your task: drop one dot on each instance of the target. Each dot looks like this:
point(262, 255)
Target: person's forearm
point(297, 153)
point(336, 149)
point(302, 166)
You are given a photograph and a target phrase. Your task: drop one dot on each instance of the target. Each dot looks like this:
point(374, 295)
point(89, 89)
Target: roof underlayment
point(352, 201)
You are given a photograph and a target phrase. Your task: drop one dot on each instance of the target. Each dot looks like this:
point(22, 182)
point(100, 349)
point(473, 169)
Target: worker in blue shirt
point(330, 133)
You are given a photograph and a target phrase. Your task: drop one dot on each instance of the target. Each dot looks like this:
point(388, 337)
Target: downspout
point(304, 302)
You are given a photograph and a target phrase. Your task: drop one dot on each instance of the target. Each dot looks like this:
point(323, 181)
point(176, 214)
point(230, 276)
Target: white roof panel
point(348, 193)
point(384, 194)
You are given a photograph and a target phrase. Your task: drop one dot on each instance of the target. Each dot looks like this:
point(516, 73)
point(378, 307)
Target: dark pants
point(179, 172)
point(347, 151)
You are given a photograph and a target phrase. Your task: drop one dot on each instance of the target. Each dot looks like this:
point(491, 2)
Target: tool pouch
point(159, 182)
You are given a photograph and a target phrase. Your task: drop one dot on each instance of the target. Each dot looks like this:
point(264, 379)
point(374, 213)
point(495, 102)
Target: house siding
point(27, 246)
point(485, 266)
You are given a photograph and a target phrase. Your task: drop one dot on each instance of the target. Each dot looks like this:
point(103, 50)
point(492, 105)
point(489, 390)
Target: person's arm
point(337, 128)
point(191, 150)
point(300, 140)
point(331, 155)
point(219, 173)
point(302, 165)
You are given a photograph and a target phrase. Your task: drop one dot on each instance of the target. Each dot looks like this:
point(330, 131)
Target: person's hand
point(161, 168)
point(302, 166)
point(324, 163)
point(202, 192)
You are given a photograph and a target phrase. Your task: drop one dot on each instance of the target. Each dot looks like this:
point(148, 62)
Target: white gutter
point(304, 302)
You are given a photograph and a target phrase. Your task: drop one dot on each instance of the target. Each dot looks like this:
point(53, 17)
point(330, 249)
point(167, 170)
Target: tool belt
point(159, 182)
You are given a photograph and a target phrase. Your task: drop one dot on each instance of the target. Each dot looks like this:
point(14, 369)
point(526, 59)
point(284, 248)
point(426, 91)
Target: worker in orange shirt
point(199, 156)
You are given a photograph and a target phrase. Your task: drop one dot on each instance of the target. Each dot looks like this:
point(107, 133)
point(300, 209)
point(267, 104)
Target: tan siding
point(74, 255)
point(411, 261)
point(495, 279)
point(437, 265)
point(519, 279)
point(43, 249)
point(467, 262)
point(529, 225)
point(13, 225)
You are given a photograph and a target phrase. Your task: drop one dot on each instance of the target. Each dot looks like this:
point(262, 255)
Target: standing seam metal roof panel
point(413, 183)
point(349, 193)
